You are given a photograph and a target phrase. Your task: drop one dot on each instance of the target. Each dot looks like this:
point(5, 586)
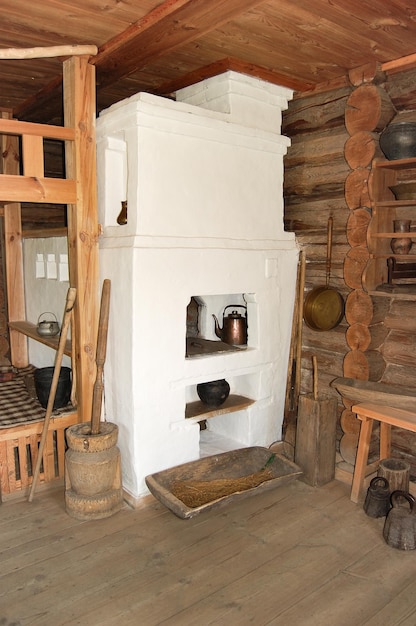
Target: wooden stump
point(359, 308)
point(93, 488)
point(356, 365)
point(357, 225)
point(358, 337)
point(350, 424)
point(354, 265)
point(368, 108)
point(348, 447)
point(361, 149)
point(396, 472)
point(315, 439)
point(370, 72)
point(356, 189)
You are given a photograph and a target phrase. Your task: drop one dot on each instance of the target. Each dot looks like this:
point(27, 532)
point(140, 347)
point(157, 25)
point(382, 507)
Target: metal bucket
point(400, 526)
point(377, 500)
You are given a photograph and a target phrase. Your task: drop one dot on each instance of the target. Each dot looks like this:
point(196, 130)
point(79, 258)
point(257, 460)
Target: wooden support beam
point(169, 26)
point(33, 161)
point(15, 281)
point(83, 230)
point(33, 189)
point(46, 52)
point(400, 65)
point(9, 146)
point(16, 127)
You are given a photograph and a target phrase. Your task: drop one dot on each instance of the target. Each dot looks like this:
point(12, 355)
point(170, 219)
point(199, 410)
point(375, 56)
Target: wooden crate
point(18, 449)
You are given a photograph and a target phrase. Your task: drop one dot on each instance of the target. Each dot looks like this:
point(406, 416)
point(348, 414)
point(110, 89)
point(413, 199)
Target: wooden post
point(9, 146)
point(396, 472)
point(316, 439)
point(70, 299)
point(83, 231)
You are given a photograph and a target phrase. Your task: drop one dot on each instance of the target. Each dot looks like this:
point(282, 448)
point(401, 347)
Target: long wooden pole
point(315, 377)
point(48, 52)
point(70, 299)
point(100, 357)
point(291, 366)
point(300, 325)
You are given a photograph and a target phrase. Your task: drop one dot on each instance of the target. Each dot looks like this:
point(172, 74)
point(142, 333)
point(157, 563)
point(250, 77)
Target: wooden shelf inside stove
point(29, 329)
point(197, 411)
point(197, 346)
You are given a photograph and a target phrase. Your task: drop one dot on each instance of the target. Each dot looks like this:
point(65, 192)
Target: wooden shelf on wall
point(400, 292)
point(198, 411)
point(29, 329)
point(376, 278)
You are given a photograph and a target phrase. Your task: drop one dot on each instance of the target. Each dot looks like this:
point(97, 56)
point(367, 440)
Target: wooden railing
point(32, 185)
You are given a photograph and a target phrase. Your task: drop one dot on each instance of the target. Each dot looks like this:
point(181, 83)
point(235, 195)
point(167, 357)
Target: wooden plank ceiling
point(148, 45)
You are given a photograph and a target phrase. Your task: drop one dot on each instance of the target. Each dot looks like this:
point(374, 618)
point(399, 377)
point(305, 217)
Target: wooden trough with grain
point(216, 480)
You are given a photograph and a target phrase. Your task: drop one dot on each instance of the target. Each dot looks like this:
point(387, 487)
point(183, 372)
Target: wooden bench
point(18, 449)
point(387, 416)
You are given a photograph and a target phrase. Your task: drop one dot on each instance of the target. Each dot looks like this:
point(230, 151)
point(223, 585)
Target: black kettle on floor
point(400, 526)
point(377, 500)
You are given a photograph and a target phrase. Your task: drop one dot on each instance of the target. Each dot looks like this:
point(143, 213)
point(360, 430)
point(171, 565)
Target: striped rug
point(18, 401)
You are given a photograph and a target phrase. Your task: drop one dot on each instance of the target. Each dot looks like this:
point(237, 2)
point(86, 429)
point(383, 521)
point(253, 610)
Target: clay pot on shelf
point(398, 139)
point(214, 393)
point(401, 245)
point(404, 191)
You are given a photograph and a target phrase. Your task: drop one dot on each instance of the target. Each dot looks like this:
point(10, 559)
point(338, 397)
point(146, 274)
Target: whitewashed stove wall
point(205, 216)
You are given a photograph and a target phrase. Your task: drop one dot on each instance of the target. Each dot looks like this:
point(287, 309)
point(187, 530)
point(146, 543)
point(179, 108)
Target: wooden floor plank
point(33, 541)
point(400, 611)
point(219, 567)
point(299, 569)
point(344, 600)
point(294, 555)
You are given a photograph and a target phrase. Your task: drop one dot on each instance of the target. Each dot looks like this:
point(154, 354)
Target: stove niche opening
point(201, 325)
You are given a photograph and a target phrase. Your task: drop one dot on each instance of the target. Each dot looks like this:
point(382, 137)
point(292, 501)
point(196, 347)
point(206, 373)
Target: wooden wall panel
point(318, 184)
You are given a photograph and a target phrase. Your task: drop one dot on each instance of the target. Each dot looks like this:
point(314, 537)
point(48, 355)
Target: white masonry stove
point(203, 178)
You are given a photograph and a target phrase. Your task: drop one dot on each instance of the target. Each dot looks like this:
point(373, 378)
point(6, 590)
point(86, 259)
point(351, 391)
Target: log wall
point(335, 136)
point(315, 174)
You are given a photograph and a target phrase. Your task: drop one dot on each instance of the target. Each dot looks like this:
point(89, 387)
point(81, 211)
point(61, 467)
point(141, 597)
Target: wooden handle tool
point(315, 377)
point(100, 357)
point(70, 300)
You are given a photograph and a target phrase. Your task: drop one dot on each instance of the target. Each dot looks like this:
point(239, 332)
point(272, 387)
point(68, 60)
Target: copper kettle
point(234, 326)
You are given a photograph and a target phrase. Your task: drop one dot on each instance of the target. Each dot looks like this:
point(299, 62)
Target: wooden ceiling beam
point(170, 26)
point(229, 63)
point(399, 65)
point(43, 106)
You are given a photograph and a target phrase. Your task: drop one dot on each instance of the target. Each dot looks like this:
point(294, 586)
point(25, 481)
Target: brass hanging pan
point(324, 307)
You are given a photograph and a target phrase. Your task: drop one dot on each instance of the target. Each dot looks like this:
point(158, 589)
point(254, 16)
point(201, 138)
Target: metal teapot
point(47, 328)
point(234, 326)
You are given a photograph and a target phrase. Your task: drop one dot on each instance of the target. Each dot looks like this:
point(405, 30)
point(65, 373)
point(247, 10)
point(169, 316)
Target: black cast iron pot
point(214, 393)
point(398, 140)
